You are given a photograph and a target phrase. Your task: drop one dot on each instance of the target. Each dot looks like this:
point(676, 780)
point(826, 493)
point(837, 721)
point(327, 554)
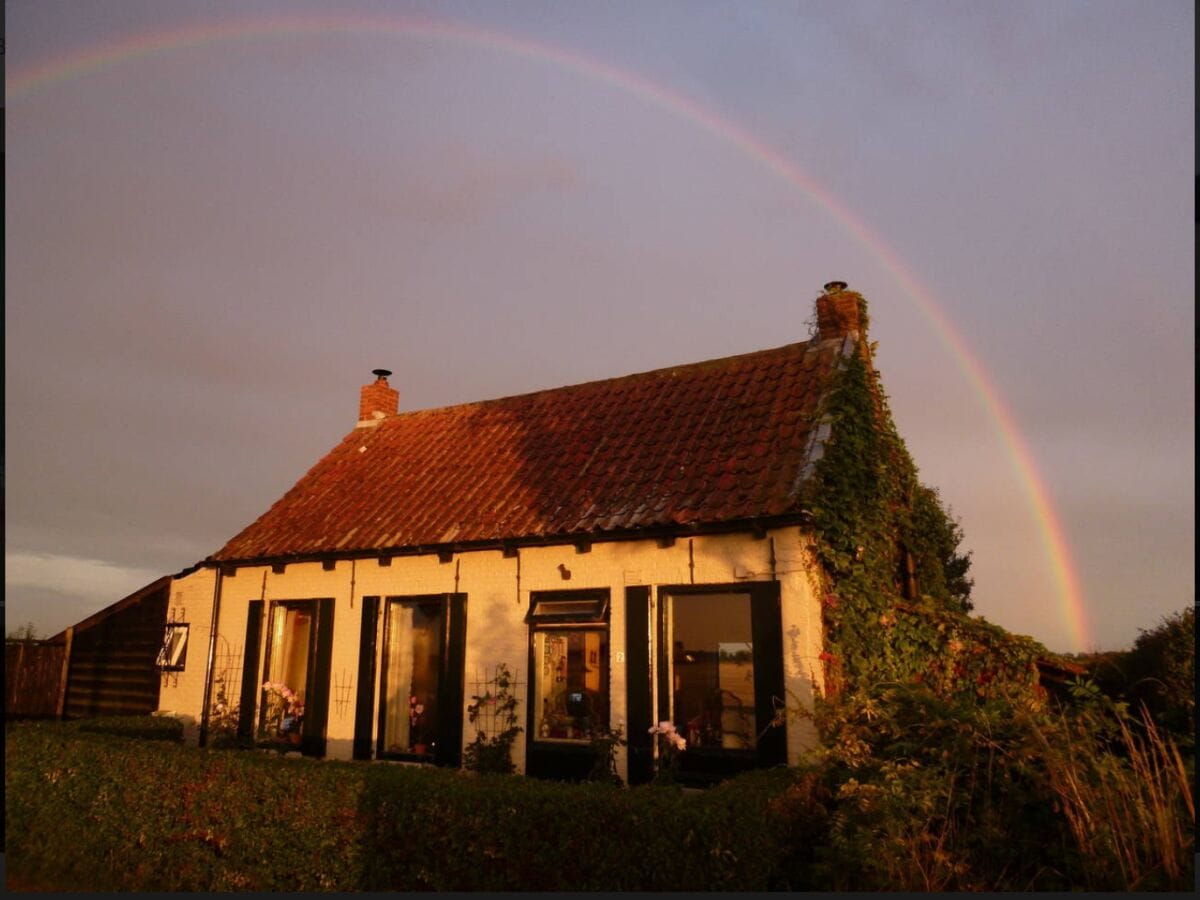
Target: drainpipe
point(208, 666)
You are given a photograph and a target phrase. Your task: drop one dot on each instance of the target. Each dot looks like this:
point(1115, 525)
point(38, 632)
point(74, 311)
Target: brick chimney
point(838, 311)
point(377, 400)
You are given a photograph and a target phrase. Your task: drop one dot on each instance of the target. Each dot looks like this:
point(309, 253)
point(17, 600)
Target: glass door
point(720, 676)
point(420, 708)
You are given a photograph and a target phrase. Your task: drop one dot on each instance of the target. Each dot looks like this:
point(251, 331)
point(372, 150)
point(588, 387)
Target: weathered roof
point(717, 441)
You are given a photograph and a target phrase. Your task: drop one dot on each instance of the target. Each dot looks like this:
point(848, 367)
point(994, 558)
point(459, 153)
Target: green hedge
point(146, 728)
point(99, 812)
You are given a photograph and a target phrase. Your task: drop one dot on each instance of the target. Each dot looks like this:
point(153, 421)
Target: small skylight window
point(173, 655)
point(574, 606)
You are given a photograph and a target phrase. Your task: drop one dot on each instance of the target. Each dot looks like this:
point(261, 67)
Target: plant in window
point(670, 744)
point(416, 715)
point(496, 709)
point(284, 709)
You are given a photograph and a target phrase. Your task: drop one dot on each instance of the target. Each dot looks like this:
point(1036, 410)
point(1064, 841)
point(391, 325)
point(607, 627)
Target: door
point(421, 679)
point(294, 703)
point(720, 675)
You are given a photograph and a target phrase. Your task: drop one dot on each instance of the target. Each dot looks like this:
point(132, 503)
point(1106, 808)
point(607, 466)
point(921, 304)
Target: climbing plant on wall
point(897, 592)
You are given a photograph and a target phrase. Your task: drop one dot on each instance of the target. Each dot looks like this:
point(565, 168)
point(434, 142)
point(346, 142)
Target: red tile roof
point(711, 442)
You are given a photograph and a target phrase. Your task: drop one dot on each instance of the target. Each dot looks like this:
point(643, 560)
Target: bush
point(146, 728)
point(937, 793)
point(92, 811)
point(1161, 669)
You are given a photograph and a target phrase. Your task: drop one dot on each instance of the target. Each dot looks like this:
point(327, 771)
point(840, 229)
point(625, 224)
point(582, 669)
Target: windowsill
point(562, 744)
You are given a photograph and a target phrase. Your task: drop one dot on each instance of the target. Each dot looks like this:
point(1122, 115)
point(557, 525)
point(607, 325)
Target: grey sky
point(209, 247)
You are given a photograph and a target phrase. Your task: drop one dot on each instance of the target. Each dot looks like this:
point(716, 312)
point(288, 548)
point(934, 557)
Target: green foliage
point(146, 728)
point(1161, 669)
point(878, 531)
point(933, 537)
point(97, 812)
point(958, 793)
point(496, 706)
point(604, 744)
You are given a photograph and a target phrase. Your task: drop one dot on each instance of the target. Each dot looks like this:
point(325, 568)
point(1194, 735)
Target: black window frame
point(320, 667)
point(451, 679)
point(706, 765)
point(169, 630)
point(553, 759)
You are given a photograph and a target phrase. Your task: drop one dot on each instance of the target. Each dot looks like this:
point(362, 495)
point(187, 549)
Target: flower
point(416, 709)
point(672, 737)
point(284, 707)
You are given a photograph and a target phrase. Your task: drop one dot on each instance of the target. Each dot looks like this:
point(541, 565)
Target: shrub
point(1161, 669)
point(495, 710)
point(937, 793)
point(146, 728)
point(98, 812)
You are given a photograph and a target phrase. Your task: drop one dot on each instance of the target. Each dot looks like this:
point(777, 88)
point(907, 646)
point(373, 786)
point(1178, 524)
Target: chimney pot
point(838, 311)
point(377, 400)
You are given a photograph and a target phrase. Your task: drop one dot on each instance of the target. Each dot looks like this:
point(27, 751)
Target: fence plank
point(32, 677)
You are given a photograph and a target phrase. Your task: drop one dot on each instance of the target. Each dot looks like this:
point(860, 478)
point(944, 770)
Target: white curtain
point(399, 678)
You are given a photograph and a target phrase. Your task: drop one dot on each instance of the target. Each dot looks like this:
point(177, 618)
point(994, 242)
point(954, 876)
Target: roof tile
point(703, 443)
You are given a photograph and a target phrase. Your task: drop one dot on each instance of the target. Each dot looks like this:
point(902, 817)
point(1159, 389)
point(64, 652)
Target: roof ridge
point(612, 379)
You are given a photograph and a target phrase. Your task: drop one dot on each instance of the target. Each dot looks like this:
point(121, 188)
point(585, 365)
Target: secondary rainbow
point(140, 45)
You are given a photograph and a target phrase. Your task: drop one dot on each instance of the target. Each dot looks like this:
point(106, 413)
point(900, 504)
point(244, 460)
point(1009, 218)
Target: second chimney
point(377, 400)
point(838, 311)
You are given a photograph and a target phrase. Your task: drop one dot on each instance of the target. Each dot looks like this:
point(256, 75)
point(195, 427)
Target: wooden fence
point(35, 676)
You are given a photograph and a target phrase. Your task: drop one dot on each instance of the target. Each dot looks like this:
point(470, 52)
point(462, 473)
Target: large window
point(288, 698)
point(421, 704)
point(712, 664)
point(294, 694)
point(721, 675)
point(569, 679)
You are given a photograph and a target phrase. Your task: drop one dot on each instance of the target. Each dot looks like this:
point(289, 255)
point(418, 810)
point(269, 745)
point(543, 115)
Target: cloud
point(93, 580)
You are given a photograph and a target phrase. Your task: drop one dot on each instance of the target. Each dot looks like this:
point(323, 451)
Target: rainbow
point(145, 44)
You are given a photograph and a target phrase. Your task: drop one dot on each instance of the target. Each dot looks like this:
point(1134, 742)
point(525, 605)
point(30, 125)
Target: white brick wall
point(496, 608)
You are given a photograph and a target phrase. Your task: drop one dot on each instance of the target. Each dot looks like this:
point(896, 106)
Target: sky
point(220, 217)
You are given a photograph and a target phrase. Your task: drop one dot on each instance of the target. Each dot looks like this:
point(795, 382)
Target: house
point(632, 550)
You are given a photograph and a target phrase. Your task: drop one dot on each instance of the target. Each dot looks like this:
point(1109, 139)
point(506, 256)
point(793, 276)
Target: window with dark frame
point(711, 658)
point(413, 667)
point(720, 676)
point(172, 656)
point(570, 665)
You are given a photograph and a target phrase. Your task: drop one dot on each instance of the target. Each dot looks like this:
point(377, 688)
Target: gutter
point(757, 525)
point(208, 666)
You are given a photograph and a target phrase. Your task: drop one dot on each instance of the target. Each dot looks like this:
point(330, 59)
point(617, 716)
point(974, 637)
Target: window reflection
point(571, 683)
point(712, 670)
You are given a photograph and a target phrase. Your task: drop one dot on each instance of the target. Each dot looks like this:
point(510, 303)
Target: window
point(712, 665)
point(172, 657)
point(421, 704)
point(298, 651)
point(720, 675)
point(569, 698)
point(290, 654)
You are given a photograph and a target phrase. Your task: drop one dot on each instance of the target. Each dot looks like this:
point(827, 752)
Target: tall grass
point(1129, 807)
point(935, 794)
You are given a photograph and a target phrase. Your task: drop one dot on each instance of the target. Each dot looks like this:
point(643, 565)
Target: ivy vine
point(897, 593)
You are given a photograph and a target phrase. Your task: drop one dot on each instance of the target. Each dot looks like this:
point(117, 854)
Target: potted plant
point(285, 711)
point(416, 733)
